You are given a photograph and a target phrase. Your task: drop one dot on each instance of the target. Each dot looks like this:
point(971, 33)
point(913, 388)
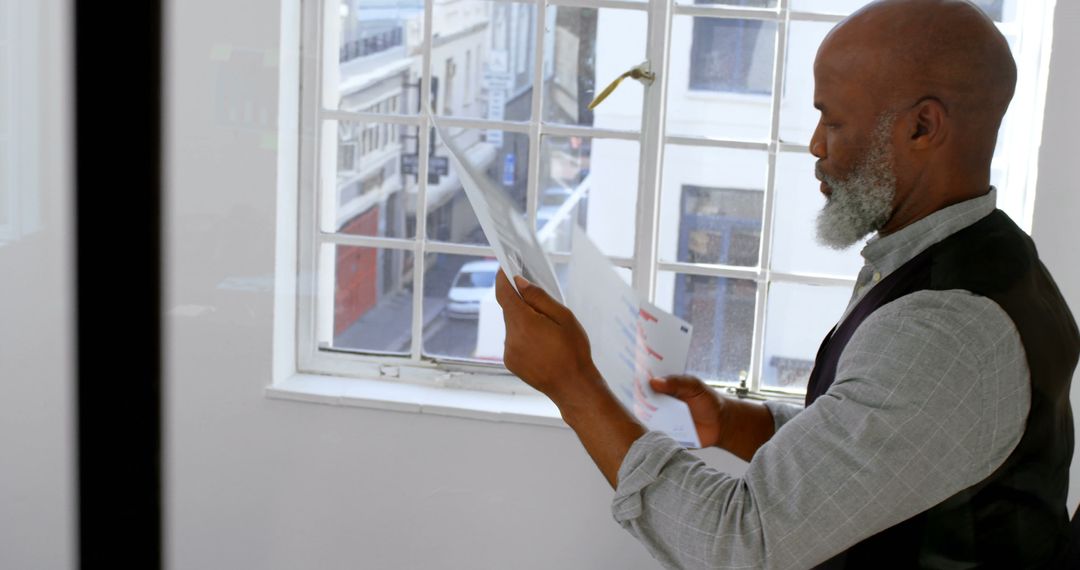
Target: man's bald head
point(933, 78)
point(905, 50)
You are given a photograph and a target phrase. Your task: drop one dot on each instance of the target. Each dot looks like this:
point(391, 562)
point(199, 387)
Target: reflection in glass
point(722, 313)
point(375, 167)
point(712, 205)
point(600, 178)
point(590, 51)
point(372, 298)
point(502, 156)
point(797, 319)
point(461, 317)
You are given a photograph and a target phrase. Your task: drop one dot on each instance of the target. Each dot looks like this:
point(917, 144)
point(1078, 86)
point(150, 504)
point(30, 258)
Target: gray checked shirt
point(931, 396)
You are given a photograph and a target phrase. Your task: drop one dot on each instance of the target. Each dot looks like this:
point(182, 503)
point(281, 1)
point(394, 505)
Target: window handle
point(640, 72)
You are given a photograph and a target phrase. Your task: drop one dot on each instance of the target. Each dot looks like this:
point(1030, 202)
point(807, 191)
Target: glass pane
point(372, 304)
point(798, 201)
point(797, 319)
point(722, 312)
point(999, 10)
point(6, 84)
point(503, 156)
point(562, 272)
point(377, 49)
point(5, 215)
point(721, 78)
point(712, 205)
point(483, 59)
point(591, 48)
point(738, 3)
point(602, 176)
point(369, 176)
point(461, 317)
point(798, 117)
point(843, 7)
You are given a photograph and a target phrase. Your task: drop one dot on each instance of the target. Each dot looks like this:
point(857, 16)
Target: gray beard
point(861, 203)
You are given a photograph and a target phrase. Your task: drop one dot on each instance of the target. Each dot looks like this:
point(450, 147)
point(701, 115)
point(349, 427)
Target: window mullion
point(423, 144)
point(757, 351)
point(533, 171)
point(650, 173)
point(308, 206)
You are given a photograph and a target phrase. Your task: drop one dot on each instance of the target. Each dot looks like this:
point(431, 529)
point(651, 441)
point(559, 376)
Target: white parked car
point(473, 282)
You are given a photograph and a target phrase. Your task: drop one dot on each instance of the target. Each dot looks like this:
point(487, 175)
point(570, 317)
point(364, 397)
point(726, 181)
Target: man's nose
point(817, 143)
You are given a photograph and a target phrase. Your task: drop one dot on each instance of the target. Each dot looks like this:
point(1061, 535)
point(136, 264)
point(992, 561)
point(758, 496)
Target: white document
point(516, 247)
point(632, 340)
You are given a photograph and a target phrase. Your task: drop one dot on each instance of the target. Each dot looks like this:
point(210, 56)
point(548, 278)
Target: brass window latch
point(640, 72)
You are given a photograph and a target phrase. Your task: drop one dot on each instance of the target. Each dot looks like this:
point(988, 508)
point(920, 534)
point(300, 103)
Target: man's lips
point(819, 173)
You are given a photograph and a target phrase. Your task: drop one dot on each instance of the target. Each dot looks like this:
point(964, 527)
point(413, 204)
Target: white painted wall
point(1057, 204)
point(36, 310)
point(263, 484)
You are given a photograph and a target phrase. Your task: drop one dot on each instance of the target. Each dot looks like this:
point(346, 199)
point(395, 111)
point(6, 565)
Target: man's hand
point(547, 348)
point(545, 345)
point(705, 404)
point(738, 426)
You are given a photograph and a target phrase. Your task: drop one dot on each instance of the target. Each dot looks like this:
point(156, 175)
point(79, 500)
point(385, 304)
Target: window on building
point(391, 248)
point(731, 54)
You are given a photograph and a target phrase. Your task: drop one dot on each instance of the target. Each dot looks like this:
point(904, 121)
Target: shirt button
point(877, 276)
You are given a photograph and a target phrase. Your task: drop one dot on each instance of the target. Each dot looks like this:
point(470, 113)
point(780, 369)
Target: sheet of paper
point(631, 340)
point(516, 246)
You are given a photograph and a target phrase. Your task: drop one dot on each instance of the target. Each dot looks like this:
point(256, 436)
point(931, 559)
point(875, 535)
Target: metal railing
point(371, 44)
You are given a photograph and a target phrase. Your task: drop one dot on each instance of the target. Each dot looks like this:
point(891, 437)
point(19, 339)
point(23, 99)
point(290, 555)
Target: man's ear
point(931, 122)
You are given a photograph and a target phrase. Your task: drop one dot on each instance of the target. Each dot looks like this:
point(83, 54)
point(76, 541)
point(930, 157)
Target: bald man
point(936, 431)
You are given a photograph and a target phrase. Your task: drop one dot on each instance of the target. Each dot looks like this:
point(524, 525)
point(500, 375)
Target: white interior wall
point(1057, 203)
point(36, 437)
point(262, 484)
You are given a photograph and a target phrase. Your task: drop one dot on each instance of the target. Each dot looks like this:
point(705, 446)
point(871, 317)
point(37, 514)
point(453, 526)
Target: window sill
point(397, 396)
point(412, 398)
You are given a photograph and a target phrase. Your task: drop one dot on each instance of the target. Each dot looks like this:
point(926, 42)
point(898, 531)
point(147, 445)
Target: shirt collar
point(887, 253)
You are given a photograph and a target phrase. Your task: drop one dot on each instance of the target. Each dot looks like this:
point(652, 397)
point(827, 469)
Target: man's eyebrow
point(819, 106)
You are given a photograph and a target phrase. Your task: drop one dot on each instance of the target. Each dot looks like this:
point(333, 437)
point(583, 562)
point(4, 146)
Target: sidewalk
point(387, 326)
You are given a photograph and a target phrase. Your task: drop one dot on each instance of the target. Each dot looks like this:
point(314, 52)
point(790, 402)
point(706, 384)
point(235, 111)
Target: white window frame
point(20, 190)
point(1033, 57)
point(9, 228)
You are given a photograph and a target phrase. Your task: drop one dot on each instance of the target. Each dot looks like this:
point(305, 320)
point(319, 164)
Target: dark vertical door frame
point(118, 197)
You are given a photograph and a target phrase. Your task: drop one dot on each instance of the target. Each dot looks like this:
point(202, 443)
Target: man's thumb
point(539, 300)
point(678, 386)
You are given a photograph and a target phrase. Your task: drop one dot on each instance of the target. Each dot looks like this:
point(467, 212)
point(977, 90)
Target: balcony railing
point(371, 44)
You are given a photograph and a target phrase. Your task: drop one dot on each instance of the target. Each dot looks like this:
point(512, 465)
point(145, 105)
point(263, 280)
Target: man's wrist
point(585, 395)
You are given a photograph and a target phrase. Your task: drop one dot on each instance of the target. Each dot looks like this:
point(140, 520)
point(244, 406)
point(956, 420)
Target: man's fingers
point(681, 387)
point(541, 302)
point(504, 291)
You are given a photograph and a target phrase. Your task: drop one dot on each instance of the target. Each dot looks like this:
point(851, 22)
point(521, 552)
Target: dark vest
point(1016, 517)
